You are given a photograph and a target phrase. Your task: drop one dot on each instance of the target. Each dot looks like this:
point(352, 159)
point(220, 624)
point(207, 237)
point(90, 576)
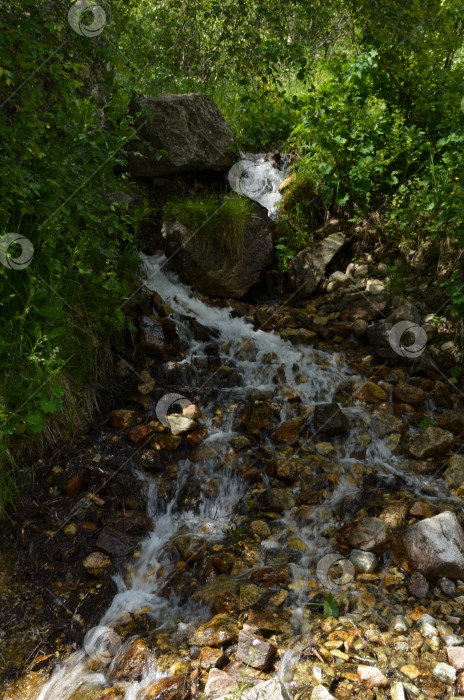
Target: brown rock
point(452, 420)
point(122, 418)
point(138, 434)
point(433, 441)
point(96, 563)
point(420, 509)
point(260, 529)
point(211, 658)
point(112, 541)
point(368, 534)
point(130, 662)
point(407, 393)
point(134, 522)
point(174, 688)
point(270, 577)
point(111, 694)
point(166, 441)
point(288, 432)
point(190, 547)
point(219, 630)
point(73, 484)
point(370, 393)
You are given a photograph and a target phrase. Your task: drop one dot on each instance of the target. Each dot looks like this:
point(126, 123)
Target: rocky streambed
point(177, 551)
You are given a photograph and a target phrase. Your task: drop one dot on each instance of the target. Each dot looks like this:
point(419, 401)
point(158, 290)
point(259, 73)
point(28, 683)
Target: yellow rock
point(410, 671)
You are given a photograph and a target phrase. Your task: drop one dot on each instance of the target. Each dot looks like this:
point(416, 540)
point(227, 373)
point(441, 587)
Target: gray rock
point(190, 130)
point(364, 562)
point(338, 280)
point(321, 693)
point(417, 585)
point(435, 546)
point(307, 268)
point(378, 334)
point(405, 312)
point(329, 420)
point(368, 534)
point(453, 640)
point(445, 673)
point(216, 272)
point(254, 651)
point(447, 587)
point(221, 685)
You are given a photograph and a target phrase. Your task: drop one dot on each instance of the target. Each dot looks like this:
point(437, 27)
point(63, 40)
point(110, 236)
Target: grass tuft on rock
point(217, 222)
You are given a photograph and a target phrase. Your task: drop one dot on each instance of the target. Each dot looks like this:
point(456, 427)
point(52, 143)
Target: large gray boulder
point(215, 272)
point(435, 546)
point(189, 129)
point(307, 268)
point(221, 685)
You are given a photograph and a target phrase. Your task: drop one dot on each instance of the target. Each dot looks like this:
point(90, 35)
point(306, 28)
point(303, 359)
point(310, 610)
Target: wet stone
point(368, 534)
point(113, 541)
point(130, 662)
point(432, 442)
point(211, 658)
point(329, 420)
point(190, 547)
point(122, 418)
point(364, 562)
point(447, 587)
point(219, 630)
point(174, 688)
point(435, 546)
point(407, 393)
point(399, 625)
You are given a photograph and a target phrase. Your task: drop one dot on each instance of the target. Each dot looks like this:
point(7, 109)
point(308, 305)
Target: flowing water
point(271, 366)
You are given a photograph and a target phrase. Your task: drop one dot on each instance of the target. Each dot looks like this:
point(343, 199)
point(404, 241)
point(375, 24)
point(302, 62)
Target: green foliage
point(216, 222)
point(330, 605)
point(427, 423)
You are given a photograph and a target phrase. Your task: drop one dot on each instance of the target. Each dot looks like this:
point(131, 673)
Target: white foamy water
point(266, 362)
point(258, 179)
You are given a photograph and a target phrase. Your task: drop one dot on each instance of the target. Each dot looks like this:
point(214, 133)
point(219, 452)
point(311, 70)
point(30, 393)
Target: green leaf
point(331, 608)
point(36, 420)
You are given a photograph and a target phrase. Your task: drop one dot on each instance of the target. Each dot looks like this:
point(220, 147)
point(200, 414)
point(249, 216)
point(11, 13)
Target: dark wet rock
point(114, 542)
point(216, 272)
point(130, 662)
point(384, 424)
point(260, 529)
point(150, 460)
point(189, 129)
point(218, 631)
point(283, 469)
point(307, 268)
point(271, 577)
point(299, 336)
point(122, 418)
point(190, 547)
point(174, 688)
point(72, 485)
point(454, 474)
point(264, 623)
point(139, 434)
point(329, 420)
point(256, 416)
point(152, 338)
point(418, 585)
point(166, 441)
point(276, 499)
point(405, 312)
point(435, 546)
point(368, 534)
point(432, 442)
point(407, 393)
point(189, 497)
point(288, 432)
point(96, 563)
point(453, 421)
point(378, 334)
point(133, 522)
point(364, 309)
point(254, 651)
